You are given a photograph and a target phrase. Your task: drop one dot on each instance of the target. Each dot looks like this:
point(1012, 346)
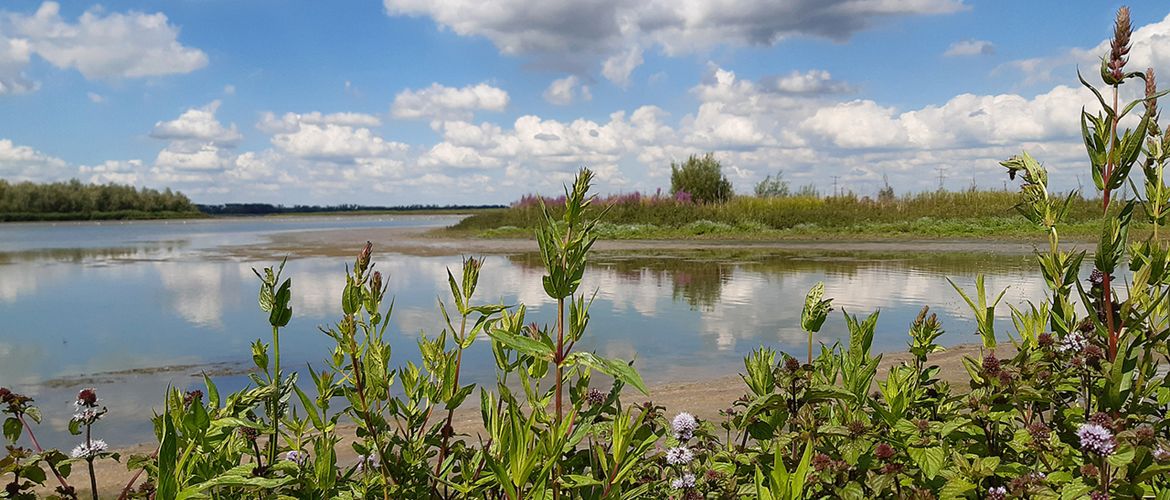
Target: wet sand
point(428, 242)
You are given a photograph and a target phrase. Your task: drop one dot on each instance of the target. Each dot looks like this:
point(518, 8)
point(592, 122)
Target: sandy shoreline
point(426, 242)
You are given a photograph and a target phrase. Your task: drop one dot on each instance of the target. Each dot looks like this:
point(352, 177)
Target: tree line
point(270, 209)
point(74, 197)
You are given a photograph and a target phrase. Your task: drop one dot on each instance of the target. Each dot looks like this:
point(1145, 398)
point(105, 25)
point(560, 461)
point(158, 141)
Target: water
point(79, 301)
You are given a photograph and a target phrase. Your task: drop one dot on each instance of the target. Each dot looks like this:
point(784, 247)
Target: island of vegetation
point(702, 205)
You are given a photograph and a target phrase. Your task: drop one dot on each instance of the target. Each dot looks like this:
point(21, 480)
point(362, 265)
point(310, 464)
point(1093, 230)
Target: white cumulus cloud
point(198, 124)
point(438, 101)
point(106, 46)
point(564, 91)
point(22, 163)
point(576, 35)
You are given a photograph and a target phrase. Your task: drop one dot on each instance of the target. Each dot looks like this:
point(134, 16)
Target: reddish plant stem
point(126, 490)
point(1106, 283)
point(37, 445)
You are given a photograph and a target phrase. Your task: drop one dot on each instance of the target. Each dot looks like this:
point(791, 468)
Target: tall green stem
point(1106, 283)
point(273, 442)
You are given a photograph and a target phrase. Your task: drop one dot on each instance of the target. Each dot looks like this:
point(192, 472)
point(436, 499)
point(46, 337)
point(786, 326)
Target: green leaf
point(955, 488)
point(614, 368)
point(310, 406)
point(929, 460)
point(1122, 457)
point(237, 422)
point(523, 344)
point(12, 428)
point(168, 458)
point(1075, 489)
point(351, 297)
point(281, 311)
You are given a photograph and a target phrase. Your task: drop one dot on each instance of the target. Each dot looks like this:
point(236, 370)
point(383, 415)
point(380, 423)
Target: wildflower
point(89, 450)
point(1144, 434)
point(1161, 454)
point(1099, 495)
point(363, 259)
point(791, 364)
point(367, 461)
point(679, 455)
point(1151, 103)
point(1096, 278)
point(1073, 342)
point(296, 457)
point(1096, 439)
point(595, 397)
point(821, 462)
point(883, 451)
point(248, 433)
point(996, 493)
point(857, 428)
point(192, 396)
point(1101, 418)
point(684, 425)
point(1005, 378)
point(686, 482)
point(922, 424)
point(991, 364)
point(376, 281)
point(87, 398)
point(1045, 340)
point(1119, 45)
point(891, 468)
point(1089, 470)
point(87, 415)
point(1093, 355)
point(1039, 431)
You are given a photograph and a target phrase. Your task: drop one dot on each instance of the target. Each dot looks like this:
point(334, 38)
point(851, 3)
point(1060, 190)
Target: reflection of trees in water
point(81, 255)
point(699, 276)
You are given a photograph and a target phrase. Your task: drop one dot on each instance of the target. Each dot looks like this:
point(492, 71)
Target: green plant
point(773, 187)
point(702, 178)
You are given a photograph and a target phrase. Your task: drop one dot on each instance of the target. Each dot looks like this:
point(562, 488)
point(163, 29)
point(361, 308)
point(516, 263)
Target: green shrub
point(702, 178)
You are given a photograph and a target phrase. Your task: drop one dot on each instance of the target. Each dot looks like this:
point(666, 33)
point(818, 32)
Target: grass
point(963, 214)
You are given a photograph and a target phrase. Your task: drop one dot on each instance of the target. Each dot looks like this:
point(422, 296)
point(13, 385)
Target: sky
point(469, 102)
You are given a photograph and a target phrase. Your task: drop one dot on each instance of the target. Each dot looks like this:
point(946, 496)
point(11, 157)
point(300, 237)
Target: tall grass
point(790, 212)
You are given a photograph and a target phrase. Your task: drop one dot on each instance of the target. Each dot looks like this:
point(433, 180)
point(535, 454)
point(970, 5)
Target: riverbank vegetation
point(27, 201)
point(936, 214)
point(1071, 403)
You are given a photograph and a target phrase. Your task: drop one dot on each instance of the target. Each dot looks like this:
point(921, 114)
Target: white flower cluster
point(296, 457)
point(679, 455)
point(1073, 342)
point(687, 481)
point(1096, 439)
point(89, 450)
point(367, 462)
point(684, 426)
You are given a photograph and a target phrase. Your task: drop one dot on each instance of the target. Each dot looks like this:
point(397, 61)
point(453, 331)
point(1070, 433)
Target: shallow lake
point(130, 308)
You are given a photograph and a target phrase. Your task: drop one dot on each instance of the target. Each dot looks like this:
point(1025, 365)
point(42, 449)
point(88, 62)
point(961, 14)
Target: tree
point(886, 193)
point(701, 177)
point(773, 187)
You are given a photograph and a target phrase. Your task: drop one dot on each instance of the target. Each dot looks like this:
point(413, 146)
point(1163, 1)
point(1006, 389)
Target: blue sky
point(460, 101)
